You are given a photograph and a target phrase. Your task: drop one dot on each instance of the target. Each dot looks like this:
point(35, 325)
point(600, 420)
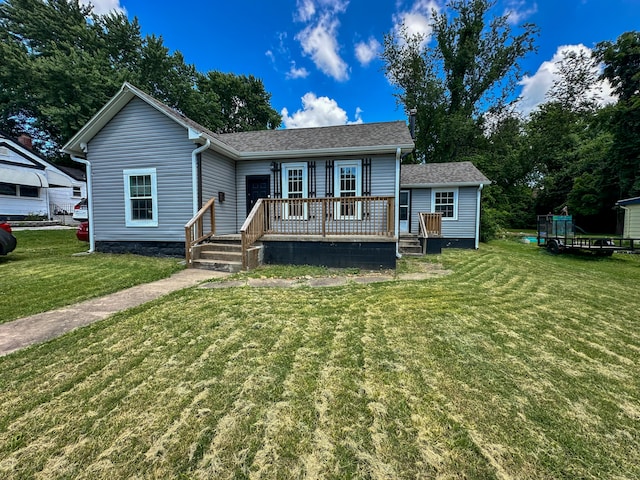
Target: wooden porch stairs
point(409, 244)
point(222, 254)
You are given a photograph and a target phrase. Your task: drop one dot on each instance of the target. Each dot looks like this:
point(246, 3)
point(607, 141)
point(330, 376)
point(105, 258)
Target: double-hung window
point(445, 201)
point(348, 183)
point(294, 186)
point(141, 197)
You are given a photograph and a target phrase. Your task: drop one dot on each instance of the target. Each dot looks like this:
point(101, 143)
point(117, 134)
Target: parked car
point(82, 233)
point(80, 211)
point(7, 240)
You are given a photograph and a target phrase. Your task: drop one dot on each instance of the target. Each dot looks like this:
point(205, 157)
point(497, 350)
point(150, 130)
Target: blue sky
point(319, 58)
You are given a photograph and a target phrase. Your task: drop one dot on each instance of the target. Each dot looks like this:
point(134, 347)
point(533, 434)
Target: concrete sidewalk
point(38, 328)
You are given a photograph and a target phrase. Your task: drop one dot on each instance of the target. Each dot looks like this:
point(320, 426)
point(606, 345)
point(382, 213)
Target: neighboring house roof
point(74, 173)
point(336, 140)
point(441, 174)
point(628, 201)
point(31, 173)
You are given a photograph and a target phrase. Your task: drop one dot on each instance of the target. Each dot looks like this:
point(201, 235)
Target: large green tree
point(468, 67)
point(61, 62)
point(621, 61)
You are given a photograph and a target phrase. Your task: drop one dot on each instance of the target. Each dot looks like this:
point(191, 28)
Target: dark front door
point(257, 187)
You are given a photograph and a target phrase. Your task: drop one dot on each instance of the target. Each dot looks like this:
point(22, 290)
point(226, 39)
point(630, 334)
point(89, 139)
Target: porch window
point(445, 202)
point(348, 183)
point(294, 186)
point(141, 198)
point(8, 189)
point(77, 192)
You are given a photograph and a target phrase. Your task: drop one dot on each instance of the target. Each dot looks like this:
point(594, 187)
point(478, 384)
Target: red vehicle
point(7, 240)
point(83, 232)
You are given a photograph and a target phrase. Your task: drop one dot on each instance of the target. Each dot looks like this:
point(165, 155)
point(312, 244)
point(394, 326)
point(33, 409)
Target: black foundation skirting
point(149, 249)
point(367, 255)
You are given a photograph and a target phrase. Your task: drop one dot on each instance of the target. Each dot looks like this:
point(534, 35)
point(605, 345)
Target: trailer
point(557, 233)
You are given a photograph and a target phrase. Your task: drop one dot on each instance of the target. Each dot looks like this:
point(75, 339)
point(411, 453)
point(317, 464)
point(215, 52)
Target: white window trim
point(129, 222)
point(336, 188)
point(455, 202)
point(285, 189)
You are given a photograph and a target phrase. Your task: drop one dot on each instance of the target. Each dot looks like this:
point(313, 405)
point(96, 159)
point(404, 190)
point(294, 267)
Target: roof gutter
point(194, 173)
point(396, 220)
point(480, 187)
point(92, 241)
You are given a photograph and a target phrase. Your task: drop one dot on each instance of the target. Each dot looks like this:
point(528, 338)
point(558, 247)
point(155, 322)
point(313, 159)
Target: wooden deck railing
point(330, 216)
point(430, 224)
point(318, 216)
point(194, 230)
point(252, 229)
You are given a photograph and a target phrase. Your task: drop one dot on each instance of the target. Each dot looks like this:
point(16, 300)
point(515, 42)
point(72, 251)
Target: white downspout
point(478, 217)
point(397, 202)
point(92, 242)
point(194, 173)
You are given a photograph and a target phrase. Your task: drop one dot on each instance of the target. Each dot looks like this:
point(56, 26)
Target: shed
point(631, 207)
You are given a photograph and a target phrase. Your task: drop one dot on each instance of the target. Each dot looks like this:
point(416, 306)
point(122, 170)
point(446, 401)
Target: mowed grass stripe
point(517, 365)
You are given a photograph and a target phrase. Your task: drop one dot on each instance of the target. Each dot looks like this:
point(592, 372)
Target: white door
point(405, 211)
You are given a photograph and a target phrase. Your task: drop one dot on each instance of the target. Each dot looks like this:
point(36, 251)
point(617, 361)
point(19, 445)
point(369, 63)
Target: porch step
point(222, 255)
point(410, 245)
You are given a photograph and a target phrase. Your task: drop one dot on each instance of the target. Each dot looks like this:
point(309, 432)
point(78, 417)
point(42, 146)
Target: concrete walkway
point(38, 328)
point(41, 327)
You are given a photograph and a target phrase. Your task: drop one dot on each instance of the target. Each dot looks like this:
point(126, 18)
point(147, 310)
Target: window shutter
point(311, 179)
point(329, 179)
point(366, 177)
point(277, 180)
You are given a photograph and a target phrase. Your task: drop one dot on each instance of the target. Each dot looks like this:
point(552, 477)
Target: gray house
point(159, 183)
point(451, 189)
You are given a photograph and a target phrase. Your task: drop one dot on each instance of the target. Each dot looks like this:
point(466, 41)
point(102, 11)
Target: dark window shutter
point(366, 177)
point(311, 179)
point(277, 180)
point(329, 179)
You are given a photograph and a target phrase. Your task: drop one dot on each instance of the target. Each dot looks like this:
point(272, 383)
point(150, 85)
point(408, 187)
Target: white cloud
point(535, 88)
point(319, 41)
point(306, 9)
point(366, 52)
point(417, 20)
point(295, 72)
point(518, 12)
point(102, 7)
point(318, 112)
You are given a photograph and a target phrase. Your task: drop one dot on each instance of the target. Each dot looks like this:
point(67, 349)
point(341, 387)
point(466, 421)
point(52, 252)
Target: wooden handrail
point(194, 229)
point(252, 229)
point(430, 224)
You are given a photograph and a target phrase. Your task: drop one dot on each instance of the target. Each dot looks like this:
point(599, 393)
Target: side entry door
point(257, 187)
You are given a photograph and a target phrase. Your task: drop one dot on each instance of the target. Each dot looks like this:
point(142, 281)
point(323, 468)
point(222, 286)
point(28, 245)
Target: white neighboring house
point(31, 185)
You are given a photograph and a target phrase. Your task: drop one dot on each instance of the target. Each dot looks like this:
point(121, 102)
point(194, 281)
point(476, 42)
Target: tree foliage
point(470, 67)
point(62, 62)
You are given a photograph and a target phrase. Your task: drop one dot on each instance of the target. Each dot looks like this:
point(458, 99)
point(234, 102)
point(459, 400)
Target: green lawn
point(43, 273)
point(519, 364)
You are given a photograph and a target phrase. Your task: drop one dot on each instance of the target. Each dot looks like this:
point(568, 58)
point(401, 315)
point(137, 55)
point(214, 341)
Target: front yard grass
point(519, 364)
point(43, 273)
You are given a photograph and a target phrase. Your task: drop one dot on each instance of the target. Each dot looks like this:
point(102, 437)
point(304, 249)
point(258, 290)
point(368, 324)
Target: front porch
point(345, 231)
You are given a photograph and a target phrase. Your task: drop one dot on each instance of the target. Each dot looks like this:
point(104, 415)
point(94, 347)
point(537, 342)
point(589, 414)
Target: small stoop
point(410, 245)
point(220, 254)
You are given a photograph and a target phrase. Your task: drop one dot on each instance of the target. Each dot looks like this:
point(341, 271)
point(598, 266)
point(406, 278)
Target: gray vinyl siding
point(141, 137)
point(218, 175)
point(463, 227)
point(383, 177)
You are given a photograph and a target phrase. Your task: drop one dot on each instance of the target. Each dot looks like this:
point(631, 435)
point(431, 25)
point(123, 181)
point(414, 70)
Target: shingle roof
point(391, 134)
point(629, 201)
point(360, 138)
point(452, 173)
